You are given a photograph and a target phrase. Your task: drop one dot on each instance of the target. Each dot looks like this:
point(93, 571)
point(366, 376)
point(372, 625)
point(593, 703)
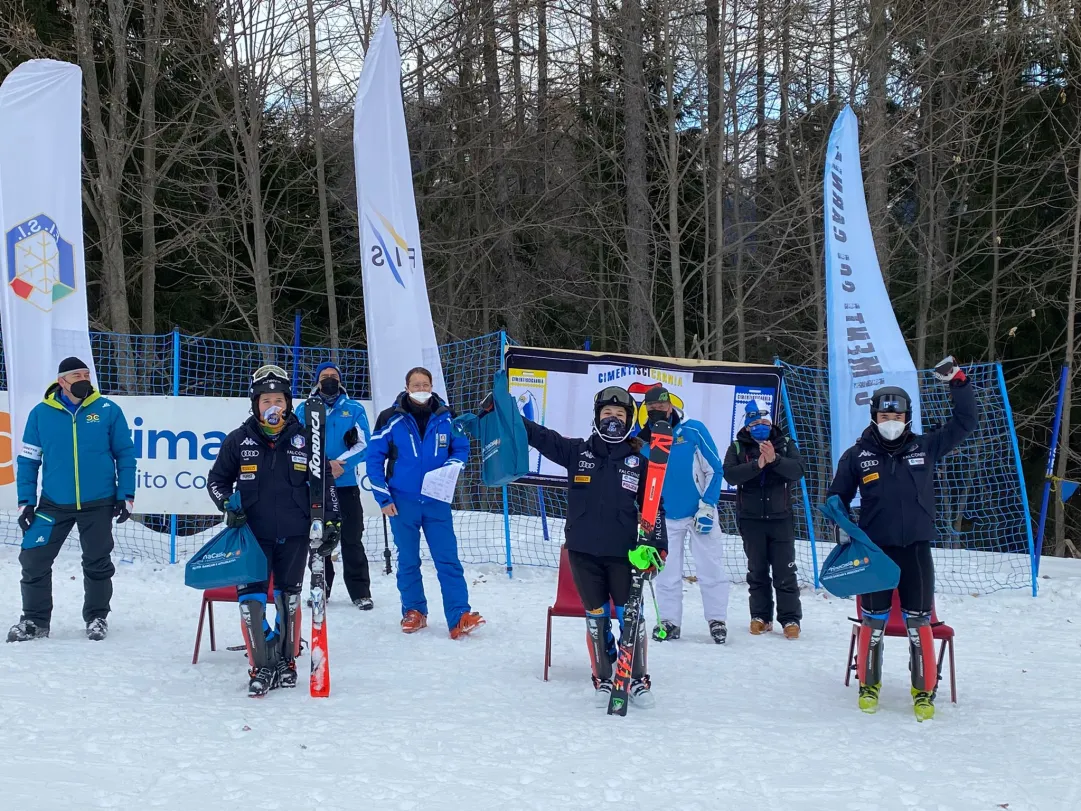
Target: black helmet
point(270, 379)
point(614, 396)
point(891, 400)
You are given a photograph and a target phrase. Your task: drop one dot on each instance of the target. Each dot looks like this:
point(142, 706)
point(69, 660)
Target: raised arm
point(962, 422)
point(552, 445)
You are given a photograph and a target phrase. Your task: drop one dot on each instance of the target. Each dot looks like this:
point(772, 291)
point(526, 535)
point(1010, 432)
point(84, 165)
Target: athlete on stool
point(894, 471)
point(692, 486)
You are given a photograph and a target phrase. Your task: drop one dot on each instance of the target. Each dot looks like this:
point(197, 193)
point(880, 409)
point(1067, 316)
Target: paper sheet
point(439, 483)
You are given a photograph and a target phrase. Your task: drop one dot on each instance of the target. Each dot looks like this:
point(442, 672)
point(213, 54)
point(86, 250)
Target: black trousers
point(96, 537)
point(771, 545)
point(600, 579)
point(285, 560)
point(358, 581)
point(916, 588)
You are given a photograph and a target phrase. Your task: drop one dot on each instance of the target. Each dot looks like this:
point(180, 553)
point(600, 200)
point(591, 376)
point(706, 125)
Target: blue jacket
point(693, 458)
point(343, 415)
point(86, 451)
point(397, 438)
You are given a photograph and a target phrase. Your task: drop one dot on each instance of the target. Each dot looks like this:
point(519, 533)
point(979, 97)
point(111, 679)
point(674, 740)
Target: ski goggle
point(752, 416)
point(269, 370)
point(892, 404)
point(614, 395)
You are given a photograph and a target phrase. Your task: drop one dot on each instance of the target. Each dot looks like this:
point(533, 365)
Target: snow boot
point(719, 631)
point(641, 697)
point(869, 697)
point(97, 629)
point(603, 688)
point(671, 631)
point(760, 626)
point(413, 621)
point(25, 630)
point(923, 704)
point(364, 603)
point(791, 630)
point(467, 624)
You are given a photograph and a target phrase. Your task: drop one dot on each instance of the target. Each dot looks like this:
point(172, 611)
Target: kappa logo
point(865, 453)
point(588, 455)
point(248, 441)
point(41, 263)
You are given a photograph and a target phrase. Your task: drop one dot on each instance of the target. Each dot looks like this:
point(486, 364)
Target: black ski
point(316, 413)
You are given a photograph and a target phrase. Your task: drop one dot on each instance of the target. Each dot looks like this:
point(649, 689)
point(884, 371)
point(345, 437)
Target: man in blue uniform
point(347, 436)
point(80, 442)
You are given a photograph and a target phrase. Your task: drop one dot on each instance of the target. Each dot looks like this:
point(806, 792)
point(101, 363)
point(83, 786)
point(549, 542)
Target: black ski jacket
point(897, 488)
point(763, 493)
point(272, 478)
point(605, 486)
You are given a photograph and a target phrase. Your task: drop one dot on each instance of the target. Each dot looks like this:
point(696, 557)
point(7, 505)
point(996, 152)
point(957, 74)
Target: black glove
point(26, 518)
point(121, 512)
point(332, 533)
point(235, 518)
point(947, 371)
point(486, 405)
point(352, 437)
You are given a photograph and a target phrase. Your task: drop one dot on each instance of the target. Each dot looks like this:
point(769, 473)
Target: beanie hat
point(72, 365)
point(322, 367)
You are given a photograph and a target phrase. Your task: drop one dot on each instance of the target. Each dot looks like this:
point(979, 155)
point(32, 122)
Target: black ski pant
point(96, 537)
point(600, 579)
point(771, 544)
point(358, 581)
point(916, 588)
point(285, 560)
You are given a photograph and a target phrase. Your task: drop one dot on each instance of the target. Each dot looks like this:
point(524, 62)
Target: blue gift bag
point(39, 532)
point(501, 433)
point(231, 558)
point(856, 567)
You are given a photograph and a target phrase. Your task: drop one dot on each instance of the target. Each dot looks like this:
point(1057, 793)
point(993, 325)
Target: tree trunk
point(1068, 359)
point(679, 347)
point(542, 87)
point(640, 317)
point(878, 153)
point(716, 19)
point(153, 15)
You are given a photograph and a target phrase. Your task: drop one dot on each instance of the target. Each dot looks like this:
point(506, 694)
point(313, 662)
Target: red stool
point(225, 594)
point(567, 604)
point(895, 626)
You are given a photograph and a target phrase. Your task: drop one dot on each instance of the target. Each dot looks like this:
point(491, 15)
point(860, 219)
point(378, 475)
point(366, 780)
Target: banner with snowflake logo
point(42, 270)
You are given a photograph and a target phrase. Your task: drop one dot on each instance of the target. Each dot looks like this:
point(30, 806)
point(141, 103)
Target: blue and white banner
point(398, 317)
point(43, 275)
point(866, 347)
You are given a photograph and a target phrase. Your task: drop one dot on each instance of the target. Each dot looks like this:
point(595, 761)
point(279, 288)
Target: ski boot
point(288, 637)
point(639, 692)
point(869, 659)
point(25, 630)
point(671, 631)
point(869, 697)
point(598, 632)
point(603, 692)
point(923, 704)
point(760, 626)
point(719, 631)
point(97, 629)
point(921, 664)
point(364, 603)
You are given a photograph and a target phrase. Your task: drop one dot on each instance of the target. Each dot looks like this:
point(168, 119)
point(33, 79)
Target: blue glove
point(704, 518)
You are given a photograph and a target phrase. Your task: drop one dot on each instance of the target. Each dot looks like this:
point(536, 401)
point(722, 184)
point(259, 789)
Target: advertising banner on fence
point(556, 387)
point(176, 441)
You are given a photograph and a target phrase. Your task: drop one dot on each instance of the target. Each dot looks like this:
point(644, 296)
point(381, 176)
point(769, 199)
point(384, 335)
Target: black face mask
point(657, 416)
point(81, 389)
point(329, 386)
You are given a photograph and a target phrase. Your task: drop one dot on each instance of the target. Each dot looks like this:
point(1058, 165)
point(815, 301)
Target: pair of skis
point(317, 419)
point(660, 445)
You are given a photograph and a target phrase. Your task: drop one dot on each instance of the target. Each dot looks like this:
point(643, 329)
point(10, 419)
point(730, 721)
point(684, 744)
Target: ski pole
point(386, 547)
point(661, 633)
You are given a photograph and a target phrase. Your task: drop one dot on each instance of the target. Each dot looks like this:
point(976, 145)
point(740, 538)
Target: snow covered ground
point(424, 722)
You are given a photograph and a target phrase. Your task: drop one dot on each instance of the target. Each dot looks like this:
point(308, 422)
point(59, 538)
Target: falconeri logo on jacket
point(390, 248)
point(41, 263)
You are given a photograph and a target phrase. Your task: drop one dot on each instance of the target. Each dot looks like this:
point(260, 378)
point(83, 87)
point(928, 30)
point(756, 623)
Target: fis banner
point(43, 295)
point(866, 347)
point(398, 317)
point(556, 387)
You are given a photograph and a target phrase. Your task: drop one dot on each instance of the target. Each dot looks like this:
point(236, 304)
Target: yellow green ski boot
point(923, 704)
point(869, 697)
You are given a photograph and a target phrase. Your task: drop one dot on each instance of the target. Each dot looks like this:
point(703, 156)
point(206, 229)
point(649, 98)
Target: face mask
point(81, 389)
point(760, 432)
point(329, 386)
point(658, 416)
point(612, 429)
point(420, 397)
point(272, 417)
point(891, 431)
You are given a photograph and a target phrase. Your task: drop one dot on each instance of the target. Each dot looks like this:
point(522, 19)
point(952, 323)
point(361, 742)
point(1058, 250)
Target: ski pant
point(434, 517)
point(96, 537)
point(708, 551)
point(353, 557)
point(916, 588)
point(285, 560)
point(771, 544)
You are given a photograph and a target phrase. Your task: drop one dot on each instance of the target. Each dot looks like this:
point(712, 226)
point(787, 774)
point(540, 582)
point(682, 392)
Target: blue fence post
point(1063, 377)
point(296, 349)
point(803, 480)
point(506, 503)
point(1033, 560)
point(176, 393)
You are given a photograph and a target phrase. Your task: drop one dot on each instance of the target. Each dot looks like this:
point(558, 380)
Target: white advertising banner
point(556, 387)
point(397, 314)
point(43, 295)
point(176, 442)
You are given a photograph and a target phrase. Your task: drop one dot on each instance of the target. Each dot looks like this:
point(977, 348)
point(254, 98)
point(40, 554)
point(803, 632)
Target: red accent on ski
point(927, 650)
point(320, 681)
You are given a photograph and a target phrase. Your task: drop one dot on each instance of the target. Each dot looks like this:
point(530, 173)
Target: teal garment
point(86, 456)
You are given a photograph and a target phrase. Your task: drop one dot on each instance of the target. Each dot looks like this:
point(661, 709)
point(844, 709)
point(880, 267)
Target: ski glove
point(704, 518)
point(235, 518)
point(332, 533)
point(947, 371)
point(26, 518)
point(648, 559)
point(352, 437)
point(122, 511)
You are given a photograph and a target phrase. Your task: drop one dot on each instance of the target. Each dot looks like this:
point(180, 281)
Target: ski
point(660, 445)
point(320, 678)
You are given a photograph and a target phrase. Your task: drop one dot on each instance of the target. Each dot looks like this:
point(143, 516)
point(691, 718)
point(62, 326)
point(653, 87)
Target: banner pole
point(176, 393)
point(1051, 455)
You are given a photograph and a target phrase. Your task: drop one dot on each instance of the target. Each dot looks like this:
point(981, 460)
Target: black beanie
point(71, 365)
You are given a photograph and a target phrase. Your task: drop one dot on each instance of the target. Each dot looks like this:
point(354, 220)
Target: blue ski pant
point(434, 517)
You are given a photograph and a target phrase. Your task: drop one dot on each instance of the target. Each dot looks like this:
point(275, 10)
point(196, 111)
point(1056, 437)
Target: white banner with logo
point(43, 300)
point(556, 388)
point(866, 347)
point(176, 442)
point(398, 317)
